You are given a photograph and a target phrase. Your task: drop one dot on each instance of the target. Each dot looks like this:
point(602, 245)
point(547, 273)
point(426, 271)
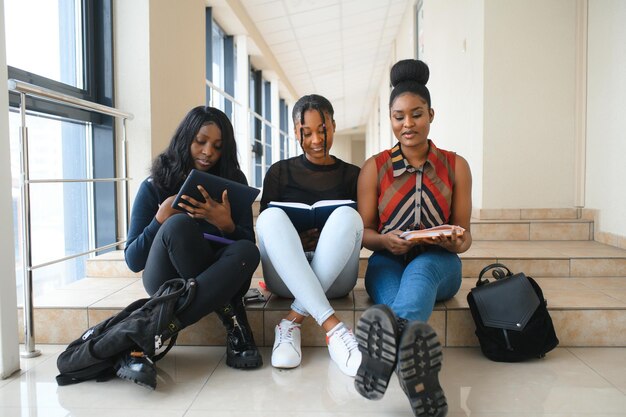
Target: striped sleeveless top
point(414, 198)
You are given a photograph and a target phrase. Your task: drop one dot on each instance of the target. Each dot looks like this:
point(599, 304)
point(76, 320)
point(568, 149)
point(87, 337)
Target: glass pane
point(60, 213)
point(218, 56)
point(45, 37)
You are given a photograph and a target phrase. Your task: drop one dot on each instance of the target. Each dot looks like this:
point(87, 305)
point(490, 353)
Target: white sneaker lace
point(348, 339)
point(285, 333)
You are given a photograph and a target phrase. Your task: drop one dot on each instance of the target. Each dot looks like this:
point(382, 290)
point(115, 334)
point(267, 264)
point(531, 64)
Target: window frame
point(98, 87)
point(97, 74)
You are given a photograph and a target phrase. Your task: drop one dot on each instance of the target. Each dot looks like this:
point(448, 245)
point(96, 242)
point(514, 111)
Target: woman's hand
point(395, 244)
point(218, 214)
point(452, 243)
point(309, 239)
point(166, 210)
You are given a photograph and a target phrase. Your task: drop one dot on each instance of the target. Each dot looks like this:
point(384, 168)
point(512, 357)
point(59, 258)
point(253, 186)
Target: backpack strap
point(101, 372)
point(497, 273)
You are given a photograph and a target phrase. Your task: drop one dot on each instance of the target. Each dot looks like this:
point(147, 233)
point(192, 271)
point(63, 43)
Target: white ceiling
point(337, 48)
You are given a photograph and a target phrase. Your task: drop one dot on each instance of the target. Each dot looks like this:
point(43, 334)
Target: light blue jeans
point(412, 290)
point(332, 272)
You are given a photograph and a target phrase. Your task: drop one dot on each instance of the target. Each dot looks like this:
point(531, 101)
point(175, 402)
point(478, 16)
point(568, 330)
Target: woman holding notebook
point(412, 186)
point(311, 265)
point(168, 243)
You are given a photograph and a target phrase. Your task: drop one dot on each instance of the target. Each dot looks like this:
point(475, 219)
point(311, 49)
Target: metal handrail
point(65, 99)
point(24, 89)
point(46, 181)
point(76, 255)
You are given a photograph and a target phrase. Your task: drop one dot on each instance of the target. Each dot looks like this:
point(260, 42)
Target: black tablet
point(240, 196)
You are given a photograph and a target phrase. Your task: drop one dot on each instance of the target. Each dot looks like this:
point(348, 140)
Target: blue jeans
point(412, 290)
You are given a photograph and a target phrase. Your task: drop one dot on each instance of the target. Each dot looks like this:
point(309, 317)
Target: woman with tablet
point(414, 185)
point(311, 265)
point(167, 243)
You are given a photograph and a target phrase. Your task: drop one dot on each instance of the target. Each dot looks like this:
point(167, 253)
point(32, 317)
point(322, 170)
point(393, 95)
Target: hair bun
point(409, 70)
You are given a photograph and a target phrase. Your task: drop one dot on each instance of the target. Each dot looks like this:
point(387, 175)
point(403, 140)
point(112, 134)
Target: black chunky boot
point(136, 367)
point(241, 351)
point(402, 323)
point(377, 334)
point(419, 363)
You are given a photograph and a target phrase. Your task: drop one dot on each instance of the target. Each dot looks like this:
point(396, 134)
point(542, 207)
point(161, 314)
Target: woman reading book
point(413, 185)
point(312, 265)
point(167, 243)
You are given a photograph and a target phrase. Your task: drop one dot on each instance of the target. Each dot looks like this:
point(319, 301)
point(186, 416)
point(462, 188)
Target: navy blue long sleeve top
point(144, 226)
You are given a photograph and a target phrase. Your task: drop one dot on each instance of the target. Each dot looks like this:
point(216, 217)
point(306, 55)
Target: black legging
point(179, 250)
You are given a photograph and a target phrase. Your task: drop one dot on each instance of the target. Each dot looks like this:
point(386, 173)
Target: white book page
point(289, 204)
point(445, 229)
point(325, 203)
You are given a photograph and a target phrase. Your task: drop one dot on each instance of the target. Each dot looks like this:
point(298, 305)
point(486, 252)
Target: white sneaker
point(286, 352)
point(344, 349)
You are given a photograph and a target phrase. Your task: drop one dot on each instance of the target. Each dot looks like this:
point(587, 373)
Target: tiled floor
point(194, 382)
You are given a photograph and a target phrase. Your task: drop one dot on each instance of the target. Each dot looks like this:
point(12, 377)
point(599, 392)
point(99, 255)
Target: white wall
point(529, 104)
point(378, 130)
point(177, 64)
point(9, 351)
point(453, 43)
point(503, 87)
point(349, 147)
point(606, 107)
point(159, 72)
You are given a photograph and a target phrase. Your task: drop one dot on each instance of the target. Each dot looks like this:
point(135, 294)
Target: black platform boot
point(136, 367)
point(241, 351)
point(377, 334)
point(419, 363)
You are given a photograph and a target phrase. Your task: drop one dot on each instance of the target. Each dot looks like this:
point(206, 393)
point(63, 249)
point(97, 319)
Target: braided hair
point(409, 76)
point(312, 102)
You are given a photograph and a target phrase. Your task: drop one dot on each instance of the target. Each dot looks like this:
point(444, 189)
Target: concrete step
point(588, 311)
point(584, 282)
point(524, 224)
point(534, 230)
point(536, 258)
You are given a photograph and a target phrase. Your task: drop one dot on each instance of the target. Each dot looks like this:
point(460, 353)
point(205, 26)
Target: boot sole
point(376, 333)
point(239, 363)
point(419, 363)
point(139, 379)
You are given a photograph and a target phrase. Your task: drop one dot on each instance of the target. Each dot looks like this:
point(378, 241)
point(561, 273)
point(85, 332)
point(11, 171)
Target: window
point(57, 54)
point(220, 67)
point(256, 126)
point(284, 126)
point(217, 62)
point(71, 53)
point(267, 116)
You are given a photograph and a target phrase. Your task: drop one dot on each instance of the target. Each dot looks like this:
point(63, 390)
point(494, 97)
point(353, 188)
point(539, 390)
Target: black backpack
point(511, 316)
point(144, 325)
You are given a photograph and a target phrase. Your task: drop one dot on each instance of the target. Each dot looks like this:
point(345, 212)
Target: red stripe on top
point(440, 166)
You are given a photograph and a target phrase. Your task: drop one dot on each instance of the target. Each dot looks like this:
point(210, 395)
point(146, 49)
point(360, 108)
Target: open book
point(305, 217)
point(444, 229)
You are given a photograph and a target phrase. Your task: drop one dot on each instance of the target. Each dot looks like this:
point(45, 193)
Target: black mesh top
point(298, 180)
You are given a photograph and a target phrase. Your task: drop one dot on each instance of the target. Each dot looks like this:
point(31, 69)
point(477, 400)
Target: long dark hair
point(409, 76)
point(171, 167)
point(312, 102)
